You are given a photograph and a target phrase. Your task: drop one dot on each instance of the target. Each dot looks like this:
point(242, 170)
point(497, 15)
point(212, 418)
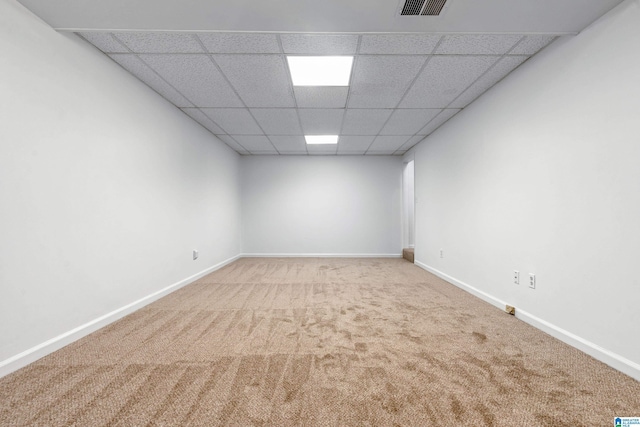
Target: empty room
point(319, 213)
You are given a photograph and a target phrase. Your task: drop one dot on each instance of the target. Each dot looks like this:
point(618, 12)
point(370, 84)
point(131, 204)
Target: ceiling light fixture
point(321, 139)
point(320, 70)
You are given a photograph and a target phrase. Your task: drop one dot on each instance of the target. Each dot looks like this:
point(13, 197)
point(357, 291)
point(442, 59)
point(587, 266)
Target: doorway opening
point(408, 211)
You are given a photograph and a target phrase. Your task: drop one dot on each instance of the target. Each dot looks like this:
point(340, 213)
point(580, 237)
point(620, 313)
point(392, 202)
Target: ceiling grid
point(424, 65)
point(391, 102)
point(354, 65)
point(233, 88)
point(295, 101)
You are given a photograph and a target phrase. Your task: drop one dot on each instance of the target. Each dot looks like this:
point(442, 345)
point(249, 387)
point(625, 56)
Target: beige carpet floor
point(318, 342)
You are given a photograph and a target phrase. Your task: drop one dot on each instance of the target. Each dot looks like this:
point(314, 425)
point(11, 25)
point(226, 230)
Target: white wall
point(322, 205)
point(105, 188)
point(542, 175)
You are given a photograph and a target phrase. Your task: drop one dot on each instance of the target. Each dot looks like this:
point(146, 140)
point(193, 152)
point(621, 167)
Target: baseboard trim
point(474, 291)
point(34, 353)
point(322, 255)
point(608, 357)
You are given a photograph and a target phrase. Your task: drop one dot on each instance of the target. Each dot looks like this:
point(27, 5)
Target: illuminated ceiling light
point(321, 139)
point(320, 70)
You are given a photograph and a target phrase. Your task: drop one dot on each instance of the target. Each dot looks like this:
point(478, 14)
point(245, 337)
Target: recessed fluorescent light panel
point(321, 139)
point(320, 70)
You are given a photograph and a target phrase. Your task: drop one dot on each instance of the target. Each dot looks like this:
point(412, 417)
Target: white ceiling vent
point(422, 7)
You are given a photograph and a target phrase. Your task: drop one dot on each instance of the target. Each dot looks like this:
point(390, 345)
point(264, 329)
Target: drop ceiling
point(329, 16)
point(224, 63)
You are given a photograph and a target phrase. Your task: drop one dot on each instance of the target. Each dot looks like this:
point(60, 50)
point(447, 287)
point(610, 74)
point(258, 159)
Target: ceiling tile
point(289, 143)
point(359, 121)
point(261, 80)
point(531, 44)
point(255, 143)
point(398, 44)
point(380, 81)
point(408, 121)
point(105, 42)
point(239, 42)
point(232, 143)
point(444, 78)
point(354, 144)
point(473, 44)
point(203, 119)
point(503, 67)
point(160, 42)
point(410, 143)
point(438, 121)
point(381, 153)
point(321, 121)
point(278, 121)
point(234, 121)
point(387, 143)
point(313, 44)
point(326, 149)
point(196, 78)
point(139, 69)
point(321, 97)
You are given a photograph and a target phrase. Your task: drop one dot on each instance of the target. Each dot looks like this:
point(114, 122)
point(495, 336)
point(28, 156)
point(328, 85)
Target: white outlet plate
point(516, 277)
point(441, 253)
point(532, 280)
point(195, 255)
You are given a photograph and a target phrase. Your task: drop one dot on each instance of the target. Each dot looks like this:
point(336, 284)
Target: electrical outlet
point(441, 253)
point(195, 255)
point(532, 280)
point(516, 277)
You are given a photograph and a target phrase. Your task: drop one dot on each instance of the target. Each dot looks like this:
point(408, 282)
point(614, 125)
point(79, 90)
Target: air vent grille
point(412, 7)
point(433, 7)
point(422, 7)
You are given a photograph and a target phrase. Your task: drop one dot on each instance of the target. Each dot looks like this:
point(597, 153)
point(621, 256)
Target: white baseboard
point(322, 255)
point(31, 355)
point(474, 291)
point(610, 358)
